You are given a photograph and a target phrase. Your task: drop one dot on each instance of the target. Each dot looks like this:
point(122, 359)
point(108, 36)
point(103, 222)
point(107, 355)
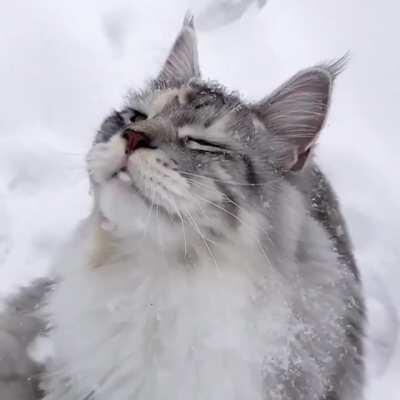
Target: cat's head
point(193, 154)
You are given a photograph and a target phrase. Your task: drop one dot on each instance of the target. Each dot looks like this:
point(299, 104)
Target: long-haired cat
point(215, 263)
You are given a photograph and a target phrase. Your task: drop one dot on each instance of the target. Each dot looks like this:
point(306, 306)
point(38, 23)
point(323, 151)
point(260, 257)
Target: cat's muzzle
point(135, 140)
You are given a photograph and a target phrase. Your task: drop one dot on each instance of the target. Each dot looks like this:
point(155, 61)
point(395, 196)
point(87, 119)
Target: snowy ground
point(66, 64)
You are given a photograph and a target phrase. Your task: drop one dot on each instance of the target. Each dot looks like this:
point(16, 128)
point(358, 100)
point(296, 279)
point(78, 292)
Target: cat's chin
point(123, 207)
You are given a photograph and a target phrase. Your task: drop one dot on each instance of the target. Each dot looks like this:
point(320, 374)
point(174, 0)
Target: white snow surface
point(65, 65)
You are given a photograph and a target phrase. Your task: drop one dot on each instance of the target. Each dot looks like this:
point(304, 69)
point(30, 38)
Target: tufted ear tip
point(335, 67)
point(182, 62)
point(296, 112)
point(189, 20)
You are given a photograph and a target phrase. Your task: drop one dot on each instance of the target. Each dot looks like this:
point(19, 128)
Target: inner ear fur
point(296, 112)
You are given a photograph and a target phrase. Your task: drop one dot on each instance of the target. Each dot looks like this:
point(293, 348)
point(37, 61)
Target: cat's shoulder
point(323, 205)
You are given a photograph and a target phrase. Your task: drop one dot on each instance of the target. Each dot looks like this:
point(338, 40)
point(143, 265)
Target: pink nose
point(135, 140)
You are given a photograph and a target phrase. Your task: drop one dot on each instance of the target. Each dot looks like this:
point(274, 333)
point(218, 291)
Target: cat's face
point(187, 150)
point(200, 162)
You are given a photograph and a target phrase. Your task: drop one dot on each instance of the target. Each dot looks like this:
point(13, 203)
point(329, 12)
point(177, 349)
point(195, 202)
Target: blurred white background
point(66, 64)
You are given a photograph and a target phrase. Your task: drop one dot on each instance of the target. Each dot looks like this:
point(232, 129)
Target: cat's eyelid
point(203, 141)
point(138, 111)
point(137, 114)
point(204, 145)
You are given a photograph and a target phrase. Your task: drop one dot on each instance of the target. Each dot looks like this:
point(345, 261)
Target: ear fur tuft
point(182, 63)
point(296, 112)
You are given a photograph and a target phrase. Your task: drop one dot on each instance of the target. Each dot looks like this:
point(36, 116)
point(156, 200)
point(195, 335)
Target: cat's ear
point(295, 113)
point(182, 63)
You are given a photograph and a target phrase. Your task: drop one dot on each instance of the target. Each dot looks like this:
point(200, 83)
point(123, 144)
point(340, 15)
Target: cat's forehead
point(153, 102)
point(157, 97)
point(196, 109)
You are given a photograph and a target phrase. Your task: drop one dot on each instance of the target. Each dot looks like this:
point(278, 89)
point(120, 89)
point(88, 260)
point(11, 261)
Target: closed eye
point(205, 145)
point(136, 115)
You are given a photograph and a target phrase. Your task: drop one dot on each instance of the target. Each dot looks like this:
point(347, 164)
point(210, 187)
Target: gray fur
point(324, 207)
point(19, 374)
point(260, 160)
point(258, 157)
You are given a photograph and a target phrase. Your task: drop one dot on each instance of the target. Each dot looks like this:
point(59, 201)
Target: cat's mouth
point(149, 173)
point(121, 174)
point(152, 175)
point(136, 140)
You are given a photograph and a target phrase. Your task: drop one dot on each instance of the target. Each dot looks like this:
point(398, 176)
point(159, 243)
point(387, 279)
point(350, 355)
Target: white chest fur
point(144, 328)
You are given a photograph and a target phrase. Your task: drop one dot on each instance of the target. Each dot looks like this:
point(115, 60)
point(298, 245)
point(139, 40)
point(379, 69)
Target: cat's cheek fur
point(122, 207)
point(155, 177)
point(105, 159)
point(127, 214)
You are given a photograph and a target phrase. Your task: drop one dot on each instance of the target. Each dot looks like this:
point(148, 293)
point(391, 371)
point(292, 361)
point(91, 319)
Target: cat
point(215, 263)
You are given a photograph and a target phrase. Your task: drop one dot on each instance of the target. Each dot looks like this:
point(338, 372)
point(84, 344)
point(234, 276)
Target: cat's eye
point(203, 101)
point(136, 116)
point(204, 145)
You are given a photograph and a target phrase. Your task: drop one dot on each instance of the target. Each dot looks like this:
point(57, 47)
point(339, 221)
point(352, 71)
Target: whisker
point(149, 215)
point(226, 197)
point(90, 395)
point(261, 248)
point(197, 228)
point(158, 224)
point(182, 224)
point(184, 173)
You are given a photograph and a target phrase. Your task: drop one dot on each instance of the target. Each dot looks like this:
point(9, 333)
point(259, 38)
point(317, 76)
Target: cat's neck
point(184, 244)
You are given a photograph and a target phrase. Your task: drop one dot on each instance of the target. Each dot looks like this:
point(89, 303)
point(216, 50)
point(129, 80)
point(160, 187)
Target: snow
point(65, 65)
